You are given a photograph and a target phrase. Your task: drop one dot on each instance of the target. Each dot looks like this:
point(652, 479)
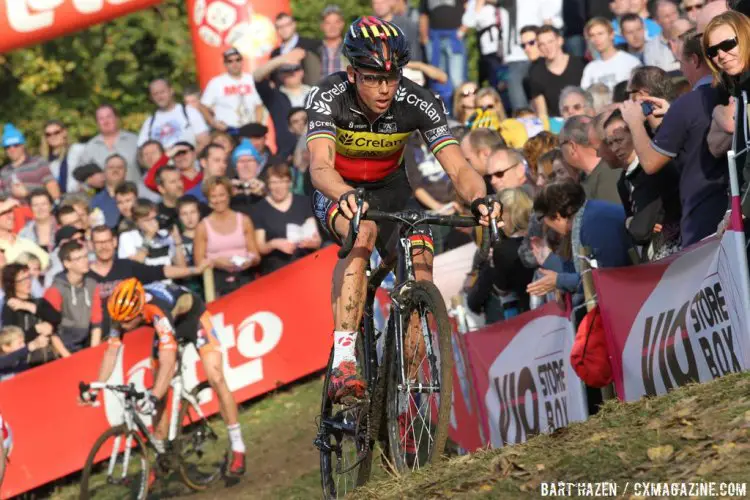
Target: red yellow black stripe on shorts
point(333, 211)
point(421, 242)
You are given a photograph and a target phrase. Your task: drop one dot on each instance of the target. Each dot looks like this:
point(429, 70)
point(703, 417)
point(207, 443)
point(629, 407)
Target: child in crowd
point(188, 210)
point(15, 352)
point(149, 244)
point(35, 269)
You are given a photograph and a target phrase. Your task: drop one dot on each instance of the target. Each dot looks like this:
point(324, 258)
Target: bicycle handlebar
point(128, 389)
point(413, 218)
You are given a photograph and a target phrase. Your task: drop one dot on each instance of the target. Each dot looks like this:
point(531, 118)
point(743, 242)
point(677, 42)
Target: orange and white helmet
point(127, 300)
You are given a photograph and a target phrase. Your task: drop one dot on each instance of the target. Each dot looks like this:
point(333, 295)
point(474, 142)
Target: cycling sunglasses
point(724, 46)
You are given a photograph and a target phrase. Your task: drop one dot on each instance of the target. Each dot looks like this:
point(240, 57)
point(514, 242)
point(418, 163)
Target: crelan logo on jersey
point(427, 107)
point(369, 144)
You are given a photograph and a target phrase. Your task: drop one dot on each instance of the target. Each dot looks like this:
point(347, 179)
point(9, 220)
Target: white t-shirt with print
point(233, 100)
point(609, 72)
point(170, 127)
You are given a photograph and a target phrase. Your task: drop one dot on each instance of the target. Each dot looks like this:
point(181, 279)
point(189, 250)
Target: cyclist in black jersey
point(359, 121)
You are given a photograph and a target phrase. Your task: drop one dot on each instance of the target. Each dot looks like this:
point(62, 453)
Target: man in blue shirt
point(114, 175)
point(682, 138)
point(636, 7)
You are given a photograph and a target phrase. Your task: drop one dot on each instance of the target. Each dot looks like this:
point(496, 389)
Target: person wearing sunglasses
point(63, 157)
point(682, 140)
point(691, 8)
point(725, 44)
point(231, 98)
point(360, 121)
point(464, 101)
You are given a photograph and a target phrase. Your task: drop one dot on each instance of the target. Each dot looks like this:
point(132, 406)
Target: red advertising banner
point(679, 320)
point(465, 423)
point(274, 331)
point(218, 25)
point(522, 376)
point(28, 22)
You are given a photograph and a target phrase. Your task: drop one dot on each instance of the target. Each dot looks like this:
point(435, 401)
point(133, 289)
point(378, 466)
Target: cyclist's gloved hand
point(147, 404)
point(348, 204)
point(487, 208)
point(89, 397)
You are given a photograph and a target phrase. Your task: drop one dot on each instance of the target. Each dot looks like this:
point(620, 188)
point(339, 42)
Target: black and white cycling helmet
point(375, 44)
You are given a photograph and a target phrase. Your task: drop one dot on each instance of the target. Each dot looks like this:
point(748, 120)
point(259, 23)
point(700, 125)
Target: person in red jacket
point(182, 155)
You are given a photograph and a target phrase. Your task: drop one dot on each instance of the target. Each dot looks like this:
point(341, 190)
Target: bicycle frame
point(134, 421)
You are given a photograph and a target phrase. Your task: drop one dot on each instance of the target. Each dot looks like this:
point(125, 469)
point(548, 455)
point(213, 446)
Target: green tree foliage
point(67, 78)
point(308, 13)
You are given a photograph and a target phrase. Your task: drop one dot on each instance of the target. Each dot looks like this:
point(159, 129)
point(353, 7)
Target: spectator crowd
point(601, 126)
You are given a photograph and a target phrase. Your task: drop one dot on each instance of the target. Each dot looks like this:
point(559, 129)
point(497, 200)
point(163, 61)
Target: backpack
point(589, 357)
point(153, 119)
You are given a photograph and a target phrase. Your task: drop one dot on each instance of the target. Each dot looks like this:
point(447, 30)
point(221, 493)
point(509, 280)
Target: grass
point(281, 461)
point(696, 433)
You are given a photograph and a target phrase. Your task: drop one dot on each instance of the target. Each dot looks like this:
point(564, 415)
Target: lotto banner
point(274, 331)
point(27, 22)
point(522, 375)
point(676, 321)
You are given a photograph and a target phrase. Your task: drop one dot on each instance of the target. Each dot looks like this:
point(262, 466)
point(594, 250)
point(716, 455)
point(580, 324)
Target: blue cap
point(245, 148)
point(12, 136)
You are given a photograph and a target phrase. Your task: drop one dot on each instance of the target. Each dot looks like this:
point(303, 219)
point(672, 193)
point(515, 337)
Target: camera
point(647, 108)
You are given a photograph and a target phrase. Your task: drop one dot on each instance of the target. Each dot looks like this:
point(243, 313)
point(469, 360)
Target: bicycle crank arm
point(348, 428)
point(321, 445)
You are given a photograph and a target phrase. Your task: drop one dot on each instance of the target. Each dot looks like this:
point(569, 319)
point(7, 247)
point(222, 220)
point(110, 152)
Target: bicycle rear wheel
point(203, 454)
point(343, 440)
point(420, 380)
point(117, 467)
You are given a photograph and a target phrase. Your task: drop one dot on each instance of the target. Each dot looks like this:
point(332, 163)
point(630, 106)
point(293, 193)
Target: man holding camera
point(682, 137)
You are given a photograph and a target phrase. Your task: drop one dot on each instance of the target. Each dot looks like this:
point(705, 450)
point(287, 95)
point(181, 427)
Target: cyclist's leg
point(422, 257)
point(161, 419)
point(347, 296)
point(209, 350)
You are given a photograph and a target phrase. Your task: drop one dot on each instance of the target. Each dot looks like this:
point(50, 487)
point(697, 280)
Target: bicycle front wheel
point(420, 380)
point(117, 467)
point(343, 440)
point(203, 455)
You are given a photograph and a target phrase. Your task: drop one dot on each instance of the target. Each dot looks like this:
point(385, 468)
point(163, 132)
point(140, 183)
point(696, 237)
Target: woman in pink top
point(226, 238)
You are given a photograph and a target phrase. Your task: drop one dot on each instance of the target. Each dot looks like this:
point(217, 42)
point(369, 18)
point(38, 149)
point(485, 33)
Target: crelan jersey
point(370, 151)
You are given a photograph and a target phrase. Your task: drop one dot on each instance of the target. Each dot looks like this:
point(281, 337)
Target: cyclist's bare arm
point(324, 176)
point(167, 362)
point(109, 361)
point(469, 184)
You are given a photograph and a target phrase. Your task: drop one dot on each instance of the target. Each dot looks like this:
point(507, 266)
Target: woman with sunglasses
point(726, 42)
point(63, 157)
point(464, 101)
point(513, 132)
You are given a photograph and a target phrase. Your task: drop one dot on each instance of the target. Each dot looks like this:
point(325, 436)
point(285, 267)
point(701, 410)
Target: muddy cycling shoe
point(237, 465)
point(151, 478)
point(345, 384)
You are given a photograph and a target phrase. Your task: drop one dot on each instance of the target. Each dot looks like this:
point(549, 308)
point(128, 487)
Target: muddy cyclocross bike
point(408, 399)
point(118, 465)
